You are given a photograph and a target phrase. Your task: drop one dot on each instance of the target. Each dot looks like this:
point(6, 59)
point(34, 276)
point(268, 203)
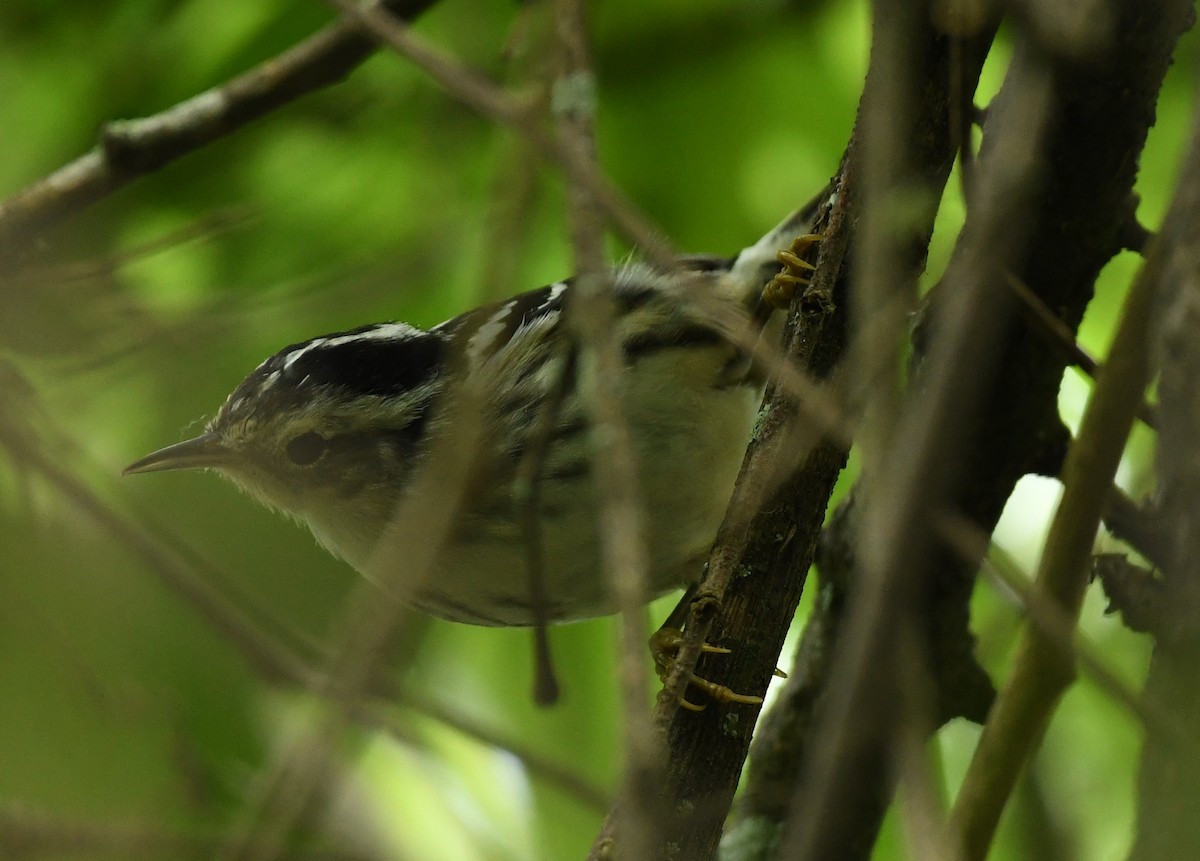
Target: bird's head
point(327, 430)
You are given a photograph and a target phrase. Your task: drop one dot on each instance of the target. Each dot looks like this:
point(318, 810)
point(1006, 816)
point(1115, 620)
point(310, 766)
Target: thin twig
point(1060, 628)
point(1060, 333)
point(882, 297)
point(485, 98)
point(268, 657)
point(562, 777)
point(920, 803)
point(202, 229)
point(527, 488)
point(271, 660)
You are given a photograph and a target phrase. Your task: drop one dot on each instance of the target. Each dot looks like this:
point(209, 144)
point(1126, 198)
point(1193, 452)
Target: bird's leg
point(665, 644)
point(796, 272)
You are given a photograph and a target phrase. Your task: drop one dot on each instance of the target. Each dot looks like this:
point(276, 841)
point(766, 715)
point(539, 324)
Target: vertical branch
point(592, 315)
point(896, 215)
point(884, 288)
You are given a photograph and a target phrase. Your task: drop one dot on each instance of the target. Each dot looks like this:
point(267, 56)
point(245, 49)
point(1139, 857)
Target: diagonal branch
point(131, 149)
point(488, 100)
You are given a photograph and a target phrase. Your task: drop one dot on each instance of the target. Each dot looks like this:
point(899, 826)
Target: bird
point(333, 430)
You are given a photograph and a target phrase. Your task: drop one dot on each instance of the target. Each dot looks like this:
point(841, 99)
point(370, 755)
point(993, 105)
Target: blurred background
point(125, 716)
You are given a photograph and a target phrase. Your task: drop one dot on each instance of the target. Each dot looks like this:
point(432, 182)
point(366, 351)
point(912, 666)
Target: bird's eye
point(306, 448)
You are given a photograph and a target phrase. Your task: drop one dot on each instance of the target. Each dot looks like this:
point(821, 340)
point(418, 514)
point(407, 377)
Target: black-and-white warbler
point(332, 430)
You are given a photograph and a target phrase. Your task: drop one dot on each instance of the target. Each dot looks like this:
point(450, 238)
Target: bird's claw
point(796, 272)
point(665, 644)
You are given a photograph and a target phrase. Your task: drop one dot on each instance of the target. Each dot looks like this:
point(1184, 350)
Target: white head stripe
point(381, 332)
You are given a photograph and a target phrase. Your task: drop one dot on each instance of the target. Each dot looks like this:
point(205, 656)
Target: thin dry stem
point(1042, 317)
point(592, 316)
point(1060, 629)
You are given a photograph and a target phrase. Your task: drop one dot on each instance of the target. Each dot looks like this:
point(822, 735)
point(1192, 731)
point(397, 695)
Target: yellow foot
point(665, 644)
point(796, 271)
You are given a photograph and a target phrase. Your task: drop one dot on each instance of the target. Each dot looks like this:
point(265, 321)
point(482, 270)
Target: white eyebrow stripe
point(381, 332)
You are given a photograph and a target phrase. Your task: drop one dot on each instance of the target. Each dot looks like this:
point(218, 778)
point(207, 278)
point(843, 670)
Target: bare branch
point(1040, 315)
point(1041, 674)
point(1074, 227)
point(131, 149)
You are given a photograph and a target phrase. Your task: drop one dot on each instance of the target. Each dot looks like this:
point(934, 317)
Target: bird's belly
point(687, 463)
point(486, 581)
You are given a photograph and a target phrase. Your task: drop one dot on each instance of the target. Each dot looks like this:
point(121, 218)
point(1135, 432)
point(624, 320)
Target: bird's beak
point(205, 451)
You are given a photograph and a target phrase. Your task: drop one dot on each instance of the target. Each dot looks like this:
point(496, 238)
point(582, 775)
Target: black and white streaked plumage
point(331, 431)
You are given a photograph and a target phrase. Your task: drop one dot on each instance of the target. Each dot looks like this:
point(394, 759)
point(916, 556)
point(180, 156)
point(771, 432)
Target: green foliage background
point(382, 199)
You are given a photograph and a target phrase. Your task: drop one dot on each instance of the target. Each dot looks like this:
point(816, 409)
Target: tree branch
point(1104, 106)
point(1143, 40)
point(1043, 671)
point(786, 738)
point(131, 149)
